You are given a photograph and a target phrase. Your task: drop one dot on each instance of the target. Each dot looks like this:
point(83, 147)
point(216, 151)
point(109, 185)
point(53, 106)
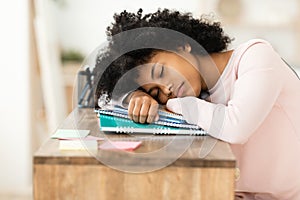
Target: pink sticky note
point(122, 145)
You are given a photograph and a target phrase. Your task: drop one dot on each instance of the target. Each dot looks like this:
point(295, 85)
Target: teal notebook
point(116, 120)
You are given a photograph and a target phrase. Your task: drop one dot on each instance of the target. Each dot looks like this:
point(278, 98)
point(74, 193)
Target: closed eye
point(162, 71)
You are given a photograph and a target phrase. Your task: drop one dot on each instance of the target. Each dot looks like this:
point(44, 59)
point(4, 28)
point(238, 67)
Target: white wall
point(81, 24)
point(15, 159)
point(298, 71)
point(86, 21)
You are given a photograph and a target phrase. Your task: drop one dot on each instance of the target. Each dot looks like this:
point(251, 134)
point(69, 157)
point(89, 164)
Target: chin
point(194, 95)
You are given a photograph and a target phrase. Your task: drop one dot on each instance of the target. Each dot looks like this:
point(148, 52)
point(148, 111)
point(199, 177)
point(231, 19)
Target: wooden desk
point(79, 175)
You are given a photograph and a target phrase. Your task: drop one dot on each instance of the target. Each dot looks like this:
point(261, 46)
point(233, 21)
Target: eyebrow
point(152, 70)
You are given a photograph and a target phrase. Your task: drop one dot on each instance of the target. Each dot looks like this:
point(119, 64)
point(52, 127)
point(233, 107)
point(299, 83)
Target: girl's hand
point(142, 107)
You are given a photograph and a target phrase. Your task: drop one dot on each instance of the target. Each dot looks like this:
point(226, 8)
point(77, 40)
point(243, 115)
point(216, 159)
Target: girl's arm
point(255, 92)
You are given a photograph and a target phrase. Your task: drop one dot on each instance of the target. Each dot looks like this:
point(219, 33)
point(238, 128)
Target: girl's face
point(170, 75)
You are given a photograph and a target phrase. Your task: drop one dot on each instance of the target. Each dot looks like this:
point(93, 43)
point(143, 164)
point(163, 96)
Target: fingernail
point(156, 118)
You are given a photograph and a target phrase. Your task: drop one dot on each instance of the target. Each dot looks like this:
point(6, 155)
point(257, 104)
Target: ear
point(187, 48)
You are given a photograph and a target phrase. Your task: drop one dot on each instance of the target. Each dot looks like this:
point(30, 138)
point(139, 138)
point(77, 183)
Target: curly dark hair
point(111, 66)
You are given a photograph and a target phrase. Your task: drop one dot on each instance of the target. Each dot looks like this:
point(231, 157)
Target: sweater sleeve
point(254, 94)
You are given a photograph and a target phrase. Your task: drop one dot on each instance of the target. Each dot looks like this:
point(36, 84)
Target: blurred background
point(43, 44)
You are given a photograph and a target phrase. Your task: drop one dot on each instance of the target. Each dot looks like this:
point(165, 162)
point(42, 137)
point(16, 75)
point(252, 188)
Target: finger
point(130, 109)
point(156, 117)
point(153, 113)
point(136, 111)
point(144, 112)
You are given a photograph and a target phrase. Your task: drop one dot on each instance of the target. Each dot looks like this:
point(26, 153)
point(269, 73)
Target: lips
point(180, 90)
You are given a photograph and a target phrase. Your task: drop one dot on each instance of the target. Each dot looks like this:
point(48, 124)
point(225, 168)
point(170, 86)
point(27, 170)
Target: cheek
point(140, 79)
point(144, 82)
point(195, 84)
point(187, 72)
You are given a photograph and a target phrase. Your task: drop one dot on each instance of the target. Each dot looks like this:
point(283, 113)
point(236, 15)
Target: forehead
point(171, 60)
point(160, 58)
point(144, 73)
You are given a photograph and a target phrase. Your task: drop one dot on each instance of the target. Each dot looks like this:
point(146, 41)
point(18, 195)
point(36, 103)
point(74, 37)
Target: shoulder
point(256, 54)
point(253, 44)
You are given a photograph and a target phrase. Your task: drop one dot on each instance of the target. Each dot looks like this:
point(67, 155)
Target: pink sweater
point(255, 106)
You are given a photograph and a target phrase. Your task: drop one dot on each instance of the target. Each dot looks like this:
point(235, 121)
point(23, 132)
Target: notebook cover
point(125, 125)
